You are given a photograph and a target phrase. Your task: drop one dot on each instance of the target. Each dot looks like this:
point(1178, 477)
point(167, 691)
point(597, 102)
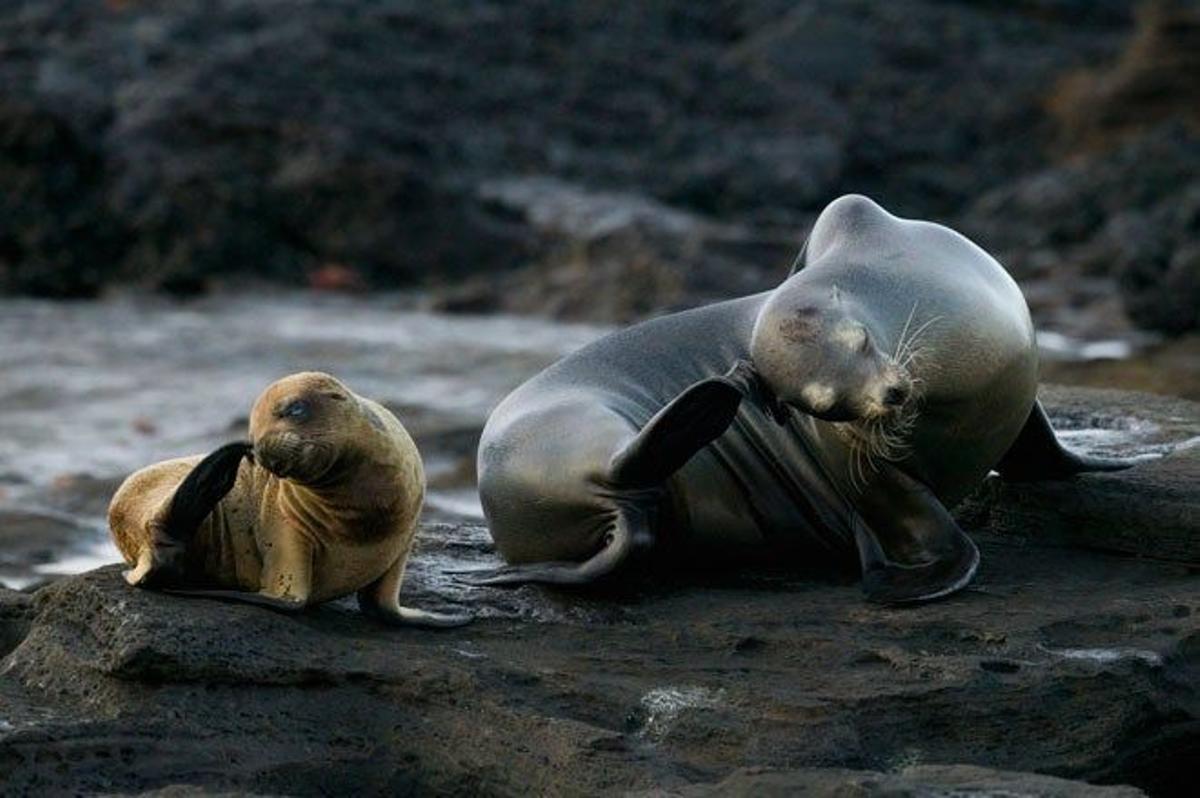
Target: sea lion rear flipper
point(630, 531)
point(910, 548)
point(209, 481)
point(1037, 454)
point(691, 421)
point(407, 616)
point(380, 601)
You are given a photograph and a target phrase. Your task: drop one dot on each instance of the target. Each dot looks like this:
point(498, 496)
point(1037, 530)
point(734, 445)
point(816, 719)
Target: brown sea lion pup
point(324, 502)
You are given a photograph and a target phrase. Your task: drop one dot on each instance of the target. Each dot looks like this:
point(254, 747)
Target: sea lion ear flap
point(692, 420)
point(801, 259)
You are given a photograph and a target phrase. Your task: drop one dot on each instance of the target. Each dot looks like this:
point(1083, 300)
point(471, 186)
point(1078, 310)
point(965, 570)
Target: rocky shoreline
point(1064, 663)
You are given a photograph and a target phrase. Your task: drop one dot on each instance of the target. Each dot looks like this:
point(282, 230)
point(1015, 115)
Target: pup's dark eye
point(298, 409)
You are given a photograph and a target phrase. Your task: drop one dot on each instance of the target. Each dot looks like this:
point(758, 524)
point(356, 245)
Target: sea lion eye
point(299, 410)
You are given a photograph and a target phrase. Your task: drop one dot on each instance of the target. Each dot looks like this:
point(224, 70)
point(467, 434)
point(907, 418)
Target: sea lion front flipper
point(1037, 454)
point(691, 421)
point(204, 486)
point(286, 579)
point(630, 531)
point(164, 561)
point(910, 548)
point(380, 601)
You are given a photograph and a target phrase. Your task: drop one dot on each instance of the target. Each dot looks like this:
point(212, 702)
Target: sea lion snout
point(895, 396)
point(290, 455)
point(815, 352)
point(892, 394)
point(278, 452)
point(299, 424)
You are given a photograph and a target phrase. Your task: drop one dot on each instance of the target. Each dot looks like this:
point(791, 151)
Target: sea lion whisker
point(908, 352)
point(917, 333)
point(904, 331)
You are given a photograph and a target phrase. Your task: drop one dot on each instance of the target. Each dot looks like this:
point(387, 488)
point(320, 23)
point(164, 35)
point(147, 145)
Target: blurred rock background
point(600, 160)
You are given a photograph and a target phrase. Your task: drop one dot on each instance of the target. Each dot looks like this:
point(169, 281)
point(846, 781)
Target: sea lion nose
point(895, 395)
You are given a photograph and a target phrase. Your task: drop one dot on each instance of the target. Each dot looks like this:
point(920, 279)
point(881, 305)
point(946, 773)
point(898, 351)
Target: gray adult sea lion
point(847, 408)
point(324, 502)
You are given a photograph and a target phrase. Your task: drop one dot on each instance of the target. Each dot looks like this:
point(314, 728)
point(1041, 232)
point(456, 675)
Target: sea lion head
point(819, 351)
point(301, 425)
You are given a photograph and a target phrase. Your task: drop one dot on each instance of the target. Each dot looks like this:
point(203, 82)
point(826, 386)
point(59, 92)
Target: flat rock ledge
point(1069, 668)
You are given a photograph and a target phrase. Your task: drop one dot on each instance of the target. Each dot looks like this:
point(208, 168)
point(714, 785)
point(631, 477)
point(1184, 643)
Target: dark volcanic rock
point(170, 142)
point(609, 256)
point(360, 143)
point(57, 236)
point(1153, 80)
point(1060, 661)
point(1125, 204)
point(1132, 215)
point(1052, 663)
point(16, 613)
point(1151, 510)
point(912, 782)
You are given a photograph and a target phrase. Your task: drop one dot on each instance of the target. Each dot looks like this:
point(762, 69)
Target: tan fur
point(341, 518)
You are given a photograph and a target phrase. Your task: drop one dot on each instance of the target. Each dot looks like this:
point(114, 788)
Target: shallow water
point(103, 388)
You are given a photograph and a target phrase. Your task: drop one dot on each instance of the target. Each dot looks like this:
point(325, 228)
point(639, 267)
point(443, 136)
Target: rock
point(1170, 367)
point(33, 537)
point(16, 614)
point(1152, 510)
point(926, 780)
point(1149, 83)
point(177, 687)
point(179, 145)
point(604, 256)
point(1124, 205)
point(1061, 664)
point(57, 237)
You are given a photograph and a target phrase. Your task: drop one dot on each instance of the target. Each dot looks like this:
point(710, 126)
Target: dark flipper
point(909, 545)
point(194, 500)
point(630, 530)
point(690, 422)
point(1036, 454)
point(204, 486)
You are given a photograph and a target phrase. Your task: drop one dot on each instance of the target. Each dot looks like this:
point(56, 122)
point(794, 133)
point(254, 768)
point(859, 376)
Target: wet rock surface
point(1066, 661)
point(1149, 510)
point(1073, 664)
point(912, 782)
